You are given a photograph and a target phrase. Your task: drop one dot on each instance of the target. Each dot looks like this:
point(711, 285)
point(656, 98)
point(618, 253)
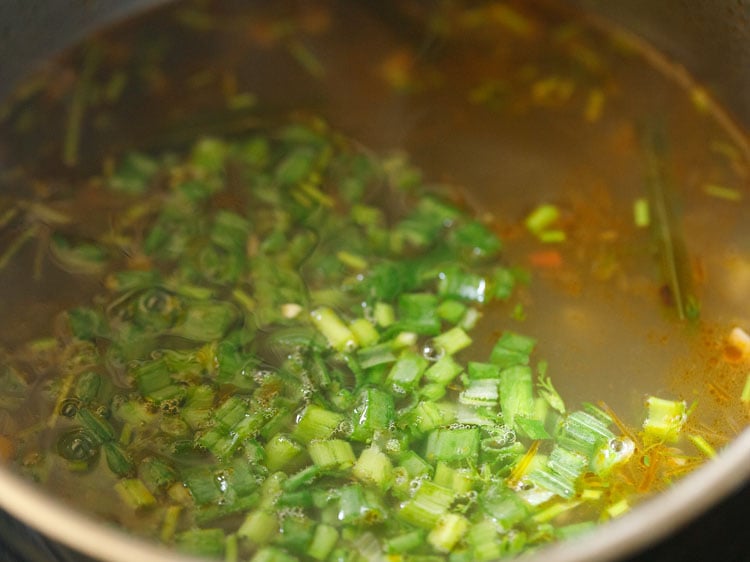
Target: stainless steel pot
point(710, 39)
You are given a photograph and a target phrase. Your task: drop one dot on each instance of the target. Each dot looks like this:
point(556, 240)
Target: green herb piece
point(552, 236)
point(85, 323)
point(206, 321)
point(583, 433)
point(84, 259)
point(359, 506)
point(503, 505)
point(618, 508)
point(512, 349)
point(134, 174)
point(428, 415)
point(373, 467)
point(134, 493)
point(665, 419)
point(452, 445)
point(296, 533)
point(516, 393)
point(364, 332)
point(452, 341)
point(87, 386)
point(302, 478)
point(460, 480)
point(259, 527)
point(641, 213)
point(407, 371)
point(373, 411)
point(548, 392)
point(571, 465)
point(280, 450)
point(384, 314)
point(533, 429)
point(376, 355)
point(316, 423)
point(504, 282)
point(477, 240)
point(673, 257)
point(483, 540)
point(703, 446)
point(477, 370)
point(273, 554)
point(444, 370)
point(334, 454)
point(745, 395)
point(481, 392)
point(81, 98)
point(555, 510)
point(612, 454)
point(417, 312)
point(118, 460)
point(202, 485)
point(426, 222)
point(339, 336)
point(99, 427)
point(406, 542)
point(451, 311)
point(448, 530)
point(458, 284)
point(541, 218)
point(722, 192)
point(134, 413)
point(323, 541)
point(156, 474)
point(428, 505)
point(201, 542)
point(14, 388)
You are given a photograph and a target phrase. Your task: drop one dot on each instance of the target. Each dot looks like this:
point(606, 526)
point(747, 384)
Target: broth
point(510, 105)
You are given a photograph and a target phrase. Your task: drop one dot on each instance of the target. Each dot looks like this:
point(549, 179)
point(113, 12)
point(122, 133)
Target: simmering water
point(515, 104)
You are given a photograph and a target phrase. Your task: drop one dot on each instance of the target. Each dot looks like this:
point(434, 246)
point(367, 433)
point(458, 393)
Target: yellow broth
point(514, 104)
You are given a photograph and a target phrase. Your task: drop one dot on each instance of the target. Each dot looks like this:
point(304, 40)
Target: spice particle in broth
point(262, 339)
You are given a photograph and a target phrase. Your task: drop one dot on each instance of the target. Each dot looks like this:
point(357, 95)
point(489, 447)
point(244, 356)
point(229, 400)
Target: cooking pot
point(711, 42)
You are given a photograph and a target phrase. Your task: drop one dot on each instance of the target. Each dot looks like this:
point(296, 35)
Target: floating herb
point(672, 250)
point(271, 363)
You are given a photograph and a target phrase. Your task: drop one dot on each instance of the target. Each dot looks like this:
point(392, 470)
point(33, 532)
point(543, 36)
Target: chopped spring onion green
point(134, 493)
point(722, 192)
point(745, 396)
point(702, 445)
point(449, 529)
point(641, 212)
point(540, 222)
point(294, 379)
point(665, 419)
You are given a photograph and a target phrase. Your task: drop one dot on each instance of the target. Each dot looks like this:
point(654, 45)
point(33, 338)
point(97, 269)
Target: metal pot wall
point(711, 39)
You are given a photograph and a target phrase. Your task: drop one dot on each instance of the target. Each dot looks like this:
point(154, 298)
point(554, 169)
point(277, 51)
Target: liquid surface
point(515, 107)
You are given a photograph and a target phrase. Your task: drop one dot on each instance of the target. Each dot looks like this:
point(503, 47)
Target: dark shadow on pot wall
point(32, 30)
point(710, 38)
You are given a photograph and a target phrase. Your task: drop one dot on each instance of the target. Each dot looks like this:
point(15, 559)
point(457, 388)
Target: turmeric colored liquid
point(514, 104)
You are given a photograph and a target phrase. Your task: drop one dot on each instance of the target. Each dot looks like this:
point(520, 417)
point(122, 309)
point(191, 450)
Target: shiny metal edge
point(31, 505)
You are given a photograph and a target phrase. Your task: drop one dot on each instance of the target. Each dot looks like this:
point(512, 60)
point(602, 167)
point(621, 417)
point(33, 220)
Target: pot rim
point(649, 521)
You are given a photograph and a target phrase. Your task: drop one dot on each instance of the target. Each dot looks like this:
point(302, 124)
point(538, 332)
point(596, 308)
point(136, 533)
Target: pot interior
point(516, 105)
